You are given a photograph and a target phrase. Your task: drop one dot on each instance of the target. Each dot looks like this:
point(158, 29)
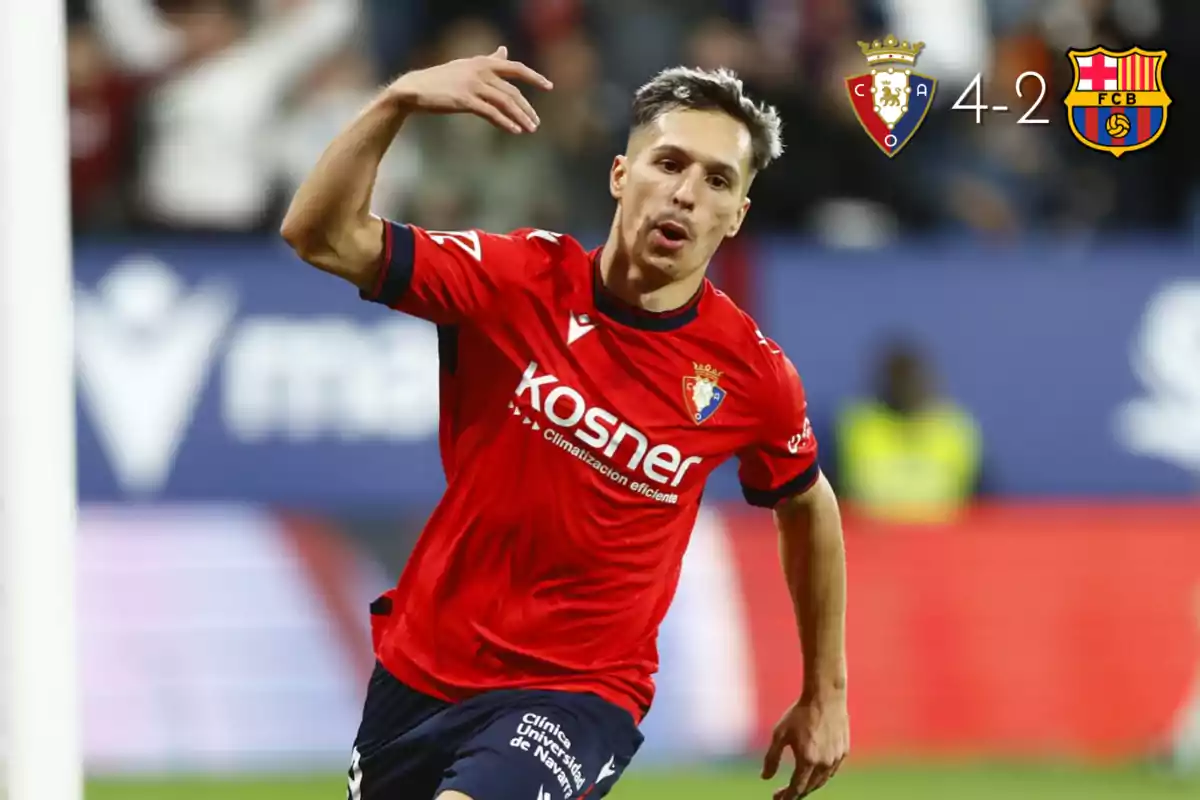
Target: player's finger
point(507, 106)
point(829, 773)
point(816, 779)
point(771, 761)
point(789, 792)
point(518, 98)
point(800, 778)
point(482, 108)
point(501, 52)
point(515, 69)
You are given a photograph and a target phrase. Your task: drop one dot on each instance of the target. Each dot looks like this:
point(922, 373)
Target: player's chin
point(660, 270)
point(667, 260)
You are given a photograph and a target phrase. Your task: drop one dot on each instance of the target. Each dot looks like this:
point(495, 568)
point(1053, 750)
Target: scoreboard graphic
point(1116, 102)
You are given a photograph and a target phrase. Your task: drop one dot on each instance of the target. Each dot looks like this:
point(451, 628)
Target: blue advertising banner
point(231, 371)
point(1082, 367)
point(214, 369)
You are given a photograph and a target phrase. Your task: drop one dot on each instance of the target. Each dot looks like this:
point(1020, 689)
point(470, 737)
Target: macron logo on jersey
point(579, 327)
point(602, 432)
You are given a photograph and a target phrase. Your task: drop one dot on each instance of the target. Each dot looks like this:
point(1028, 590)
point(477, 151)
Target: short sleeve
point(783, 461)
point(447, 277)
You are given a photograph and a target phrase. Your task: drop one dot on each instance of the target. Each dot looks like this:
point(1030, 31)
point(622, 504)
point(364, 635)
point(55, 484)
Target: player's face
point(681, 189)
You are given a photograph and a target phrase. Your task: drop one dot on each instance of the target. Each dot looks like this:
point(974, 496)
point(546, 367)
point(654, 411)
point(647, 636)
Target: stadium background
point(256, 446)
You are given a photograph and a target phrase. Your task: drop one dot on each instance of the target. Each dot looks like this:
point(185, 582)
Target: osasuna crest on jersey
point(702, 393)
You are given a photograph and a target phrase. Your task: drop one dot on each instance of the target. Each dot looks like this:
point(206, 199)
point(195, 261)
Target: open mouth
point(672, 231)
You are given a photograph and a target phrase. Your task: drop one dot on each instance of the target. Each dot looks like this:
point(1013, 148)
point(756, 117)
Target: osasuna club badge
point(1117, 102)
point(702, 392)
point(891, 100)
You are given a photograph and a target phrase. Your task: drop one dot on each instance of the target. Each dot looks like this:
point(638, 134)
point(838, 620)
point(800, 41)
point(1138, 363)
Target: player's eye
point(718, 181)
point(669, 164)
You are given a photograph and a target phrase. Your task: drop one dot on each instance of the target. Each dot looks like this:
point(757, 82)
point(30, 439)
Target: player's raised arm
point(329, 223)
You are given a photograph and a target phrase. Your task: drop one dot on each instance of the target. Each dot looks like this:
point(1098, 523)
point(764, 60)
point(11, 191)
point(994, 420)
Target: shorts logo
point(354, 785)
point(702, 394)
point(546, 741)
point(608, 770)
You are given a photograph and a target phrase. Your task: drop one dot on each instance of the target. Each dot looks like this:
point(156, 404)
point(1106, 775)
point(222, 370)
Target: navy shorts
point(501, 745)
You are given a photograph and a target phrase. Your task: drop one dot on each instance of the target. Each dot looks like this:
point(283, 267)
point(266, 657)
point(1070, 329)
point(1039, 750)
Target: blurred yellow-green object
point(917, 467)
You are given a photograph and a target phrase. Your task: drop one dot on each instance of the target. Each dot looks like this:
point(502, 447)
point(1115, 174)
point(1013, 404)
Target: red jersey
point(577, 434)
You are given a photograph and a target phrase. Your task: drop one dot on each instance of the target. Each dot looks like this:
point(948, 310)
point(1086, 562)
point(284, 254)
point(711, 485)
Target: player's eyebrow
point(724, 168)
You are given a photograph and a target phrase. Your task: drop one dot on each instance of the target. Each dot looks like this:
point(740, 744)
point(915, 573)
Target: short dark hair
point(711, 90)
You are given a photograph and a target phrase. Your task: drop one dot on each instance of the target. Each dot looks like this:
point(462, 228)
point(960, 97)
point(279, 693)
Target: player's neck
point(633, 284)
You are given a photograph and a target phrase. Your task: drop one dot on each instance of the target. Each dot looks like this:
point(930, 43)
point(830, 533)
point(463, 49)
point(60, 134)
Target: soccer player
point(586, 398)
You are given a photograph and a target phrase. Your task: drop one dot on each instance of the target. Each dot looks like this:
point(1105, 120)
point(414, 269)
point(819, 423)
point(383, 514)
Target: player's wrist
point(824, 687)
point(402, 96)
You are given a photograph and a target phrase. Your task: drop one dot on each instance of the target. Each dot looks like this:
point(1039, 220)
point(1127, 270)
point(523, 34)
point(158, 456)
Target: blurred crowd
point(203, 115)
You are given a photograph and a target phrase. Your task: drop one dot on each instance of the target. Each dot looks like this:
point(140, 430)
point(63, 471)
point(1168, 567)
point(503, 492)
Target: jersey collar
point(615, 308)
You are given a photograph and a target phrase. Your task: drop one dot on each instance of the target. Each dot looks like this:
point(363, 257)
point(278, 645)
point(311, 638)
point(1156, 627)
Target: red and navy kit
point(577, 434)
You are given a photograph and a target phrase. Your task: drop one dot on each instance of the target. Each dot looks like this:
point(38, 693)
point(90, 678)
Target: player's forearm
point(814, 561)
point(329, 223)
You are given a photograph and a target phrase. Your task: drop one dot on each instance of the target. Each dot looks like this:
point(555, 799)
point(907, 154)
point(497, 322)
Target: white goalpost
point(40, 754)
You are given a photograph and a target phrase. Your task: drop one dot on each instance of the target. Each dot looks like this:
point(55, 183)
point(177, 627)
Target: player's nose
point(685, 192)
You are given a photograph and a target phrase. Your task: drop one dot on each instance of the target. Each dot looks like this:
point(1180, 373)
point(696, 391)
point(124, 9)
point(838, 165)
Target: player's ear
point(616, 177)
point(739, 218)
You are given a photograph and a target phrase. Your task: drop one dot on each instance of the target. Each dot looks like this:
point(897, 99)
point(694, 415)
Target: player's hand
point(478, 85)
point(817, 731)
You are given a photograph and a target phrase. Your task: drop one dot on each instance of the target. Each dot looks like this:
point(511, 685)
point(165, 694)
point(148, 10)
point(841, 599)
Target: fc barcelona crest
point(891, 100)
point(1117, 102)
point(702, 393)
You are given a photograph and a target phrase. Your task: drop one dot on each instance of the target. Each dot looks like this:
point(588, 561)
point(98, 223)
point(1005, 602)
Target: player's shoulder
point(550, 244)
point(760, 356)
point(533, 245)
point(548, 253)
